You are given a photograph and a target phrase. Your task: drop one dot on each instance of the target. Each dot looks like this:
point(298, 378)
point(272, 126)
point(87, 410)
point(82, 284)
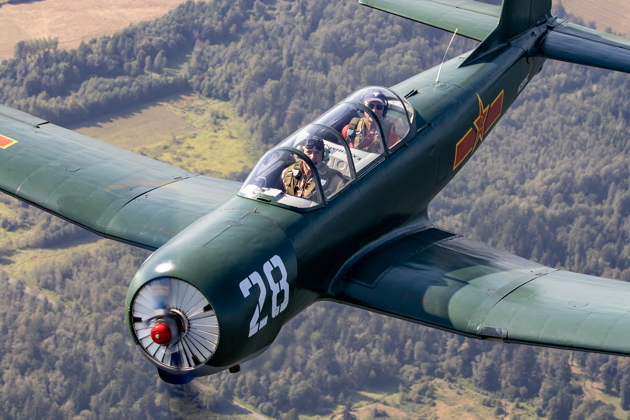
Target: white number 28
point(255, 279)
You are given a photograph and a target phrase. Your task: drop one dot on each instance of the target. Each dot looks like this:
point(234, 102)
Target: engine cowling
point(214, 296)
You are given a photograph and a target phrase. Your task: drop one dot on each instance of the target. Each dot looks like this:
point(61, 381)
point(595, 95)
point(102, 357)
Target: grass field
point(139, 126)
point(199, 134)
point(73, 21)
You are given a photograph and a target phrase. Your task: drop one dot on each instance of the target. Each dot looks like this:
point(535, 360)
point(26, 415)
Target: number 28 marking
point(255, 279)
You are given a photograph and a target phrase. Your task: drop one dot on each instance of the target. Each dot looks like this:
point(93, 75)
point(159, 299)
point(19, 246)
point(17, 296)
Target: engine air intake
point(174, 323)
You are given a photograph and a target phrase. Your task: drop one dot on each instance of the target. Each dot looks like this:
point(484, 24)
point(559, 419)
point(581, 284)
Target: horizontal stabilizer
point(472, 19)
point(580, 45)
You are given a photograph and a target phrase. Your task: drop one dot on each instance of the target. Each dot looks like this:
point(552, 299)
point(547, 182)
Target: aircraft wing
point(105, 189)
point(472, 19)
point(442, 280)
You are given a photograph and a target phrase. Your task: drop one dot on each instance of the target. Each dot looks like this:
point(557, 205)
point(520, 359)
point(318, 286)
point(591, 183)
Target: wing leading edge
point(110, 191)
point(440, 279)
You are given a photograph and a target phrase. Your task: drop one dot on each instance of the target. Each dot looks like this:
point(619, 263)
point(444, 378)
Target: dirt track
point(73, 20)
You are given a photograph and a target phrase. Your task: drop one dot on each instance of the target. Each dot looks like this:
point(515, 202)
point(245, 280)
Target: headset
point(314, 141)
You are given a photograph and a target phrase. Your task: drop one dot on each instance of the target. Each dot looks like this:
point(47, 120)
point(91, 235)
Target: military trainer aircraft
point(234, 262)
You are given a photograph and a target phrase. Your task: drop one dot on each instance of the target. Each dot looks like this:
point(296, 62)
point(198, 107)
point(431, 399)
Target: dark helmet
point(378, 97)
point(316, 142)
point(313, 141)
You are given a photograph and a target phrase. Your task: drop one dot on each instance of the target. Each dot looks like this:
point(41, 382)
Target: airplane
point(233, 262)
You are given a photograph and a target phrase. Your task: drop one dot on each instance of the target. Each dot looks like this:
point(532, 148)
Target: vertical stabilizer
point(517, 16)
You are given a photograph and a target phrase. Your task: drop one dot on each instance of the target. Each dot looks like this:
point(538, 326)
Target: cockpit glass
point(317, 162)
point(395, 114)
point(283, 177)
point(355, 124)
point(410, 112)
point(286, 176)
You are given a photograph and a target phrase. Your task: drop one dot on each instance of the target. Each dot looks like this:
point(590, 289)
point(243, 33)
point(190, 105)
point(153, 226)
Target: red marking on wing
point(495, 110)
point(6, 142)
point(464, 147)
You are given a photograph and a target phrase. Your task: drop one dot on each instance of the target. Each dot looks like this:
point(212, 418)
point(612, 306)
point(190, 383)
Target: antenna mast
point(437, 79)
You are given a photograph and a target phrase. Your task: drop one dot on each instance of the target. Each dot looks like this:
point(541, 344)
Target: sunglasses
point(377, 106)
point(317, 146)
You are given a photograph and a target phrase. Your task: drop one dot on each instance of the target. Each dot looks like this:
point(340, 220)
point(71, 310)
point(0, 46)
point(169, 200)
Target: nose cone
point(161, 334)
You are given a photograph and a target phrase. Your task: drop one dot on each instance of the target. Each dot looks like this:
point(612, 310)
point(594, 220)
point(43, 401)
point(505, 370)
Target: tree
point(160, 62)
point(560, 406)
point(346, 414)
point(148, 64)
point(607, 373)
point(291, 415)
point(486, 374)
point(624, 391)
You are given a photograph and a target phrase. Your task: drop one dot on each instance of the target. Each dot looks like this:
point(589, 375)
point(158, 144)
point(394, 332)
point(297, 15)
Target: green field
point(199, 134)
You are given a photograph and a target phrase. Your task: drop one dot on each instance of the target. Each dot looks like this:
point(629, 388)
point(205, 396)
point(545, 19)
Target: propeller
point(175, 323)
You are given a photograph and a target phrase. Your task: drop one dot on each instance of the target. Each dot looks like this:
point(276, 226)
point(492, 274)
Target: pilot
point(362, 133)
point(298, 179)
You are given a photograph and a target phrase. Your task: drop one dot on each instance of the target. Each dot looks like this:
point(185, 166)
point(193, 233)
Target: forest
point(550, 184)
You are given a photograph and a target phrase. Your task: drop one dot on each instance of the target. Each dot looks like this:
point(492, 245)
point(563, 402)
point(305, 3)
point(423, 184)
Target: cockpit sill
point(354, 137)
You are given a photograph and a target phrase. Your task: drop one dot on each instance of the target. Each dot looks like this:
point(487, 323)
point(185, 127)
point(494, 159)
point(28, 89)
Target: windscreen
point(316, 163)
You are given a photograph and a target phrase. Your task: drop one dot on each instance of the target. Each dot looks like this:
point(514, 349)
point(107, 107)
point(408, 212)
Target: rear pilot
point(363, 134)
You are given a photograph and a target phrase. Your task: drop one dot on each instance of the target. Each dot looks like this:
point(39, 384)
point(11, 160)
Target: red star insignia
point(480, 122)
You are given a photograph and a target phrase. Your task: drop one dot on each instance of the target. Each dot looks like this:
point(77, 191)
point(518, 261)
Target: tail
point(496, 25)
point(475, 20)
point(516, 17)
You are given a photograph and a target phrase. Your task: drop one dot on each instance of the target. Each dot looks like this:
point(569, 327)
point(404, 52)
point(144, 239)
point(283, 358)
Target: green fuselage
point(221, 249)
